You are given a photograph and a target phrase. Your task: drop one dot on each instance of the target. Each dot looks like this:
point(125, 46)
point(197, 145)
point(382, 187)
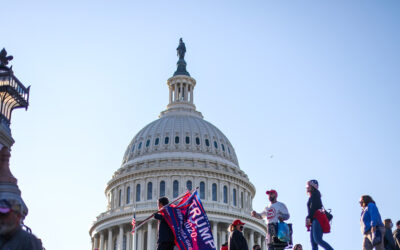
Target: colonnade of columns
point(181, 92)
point(145, 238)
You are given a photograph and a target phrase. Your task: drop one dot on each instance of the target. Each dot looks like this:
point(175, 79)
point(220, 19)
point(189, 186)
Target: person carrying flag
point(165, 236)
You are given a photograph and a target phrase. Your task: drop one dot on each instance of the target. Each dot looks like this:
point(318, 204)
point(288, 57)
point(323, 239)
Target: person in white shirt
point(273, 213)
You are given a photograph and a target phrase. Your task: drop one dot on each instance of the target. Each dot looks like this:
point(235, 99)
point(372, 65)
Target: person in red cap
point(236, 238)
point(273, 213)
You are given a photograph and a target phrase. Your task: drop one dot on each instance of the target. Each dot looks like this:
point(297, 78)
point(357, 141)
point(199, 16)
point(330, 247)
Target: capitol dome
point(177, 152)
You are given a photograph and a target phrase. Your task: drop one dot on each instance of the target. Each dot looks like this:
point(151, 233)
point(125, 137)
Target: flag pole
point(151, 216)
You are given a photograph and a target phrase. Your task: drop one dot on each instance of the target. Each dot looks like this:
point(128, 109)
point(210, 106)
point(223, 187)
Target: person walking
point(370, 222)
point(396, 236)
point(316, 220)
point(166, 238)
point(236, 238)
point(388, 240)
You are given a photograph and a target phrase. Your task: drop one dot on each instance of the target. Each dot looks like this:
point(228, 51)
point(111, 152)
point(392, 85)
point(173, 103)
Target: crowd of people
point(376, 233)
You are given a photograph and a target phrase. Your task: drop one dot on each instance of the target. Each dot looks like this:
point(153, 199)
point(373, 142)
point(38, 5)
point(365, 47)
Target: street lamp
point(13, 94)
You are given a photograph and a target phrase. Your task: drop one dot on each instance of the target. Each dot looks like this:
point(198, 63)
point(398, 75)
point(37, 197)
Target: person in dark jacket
point(12, 235)
point(396, 236)
point(314, 206)
point(388, 240)
point(166, 238)
point(236, 238)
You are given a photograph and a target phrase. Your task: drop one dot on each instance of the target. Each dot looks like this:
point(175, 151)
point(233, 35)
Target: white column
point(170, 94)
point(176, 92)
point(139, 238)
point(215, 232)
point(109, 240)
point(191, 93)
point(120, 237)
point(186, 92)
point(101, 240)
point(251, 240)
point(133, 241)
point(223, 236)
point(259, 239)
point(149, 235)
point(128, 240)
point(264, 246)
point(95, 242)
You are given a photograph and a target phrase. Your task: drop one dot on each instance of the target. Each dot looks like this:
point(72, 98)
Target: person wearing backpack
point(316, 219)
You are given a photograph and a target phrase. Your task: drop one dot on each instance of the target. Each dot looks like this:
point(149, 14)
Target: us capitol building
point(176, 152)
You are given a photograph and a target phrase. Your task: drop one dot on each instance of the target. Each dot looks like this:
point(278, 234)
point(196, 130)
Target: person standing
point(236, 238)
point(273, 213)
point(370, 222)
point(166, 238)
point(315, 218)
point(13, 211)
point(388, 240)
point(396, 236)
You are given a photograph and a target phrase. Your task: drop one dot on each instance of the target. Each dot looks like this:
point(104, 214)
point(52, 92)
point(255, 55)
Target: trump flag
point(190, 224)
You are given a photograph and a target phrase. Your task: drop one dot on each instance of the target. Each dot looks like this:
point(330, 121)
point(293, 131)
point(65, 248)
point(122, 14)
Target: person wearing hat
point(13, 211)
point(315, 219)
point(236, 239)
point(275, 212)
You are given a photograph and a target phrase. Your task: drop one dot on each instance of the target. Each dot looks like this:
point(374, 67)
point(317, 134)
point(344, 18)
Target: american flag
point(133, 223)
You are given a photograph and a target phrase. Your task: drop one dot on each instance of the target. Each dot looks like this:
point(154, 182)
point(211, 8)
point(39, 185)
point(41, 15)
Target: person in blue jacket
point(370, 222)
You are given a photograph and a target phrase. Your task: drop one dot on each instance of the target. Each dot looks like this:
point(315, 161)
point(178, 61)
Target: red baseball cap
point(237, 222)
point(272, 191)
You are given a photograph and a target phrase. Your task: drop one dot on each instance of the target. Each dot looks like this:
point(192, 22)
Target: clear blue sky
point(315, 84)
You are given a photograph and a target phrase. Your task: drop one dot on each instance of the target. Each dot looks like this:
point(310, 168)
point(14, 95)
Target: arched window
point(225, 194)
point(202, 190)
point(147, 143)
point(214, 192)
point(128, 195)
point(149, 191)
point(207, 142)
point(162, 188)
point(157, 141)
point(189, 185)
point(223, 147)
point(229, 151)
point(176, 139)
point(215, 144)
point(166, 140)
point(138, 192)
point(197, 140)
point(133, 148)
point(119, 198)
point(140, 145)
point(175, 189)
point(234, 196)
point(187, 139)
point(241, 199)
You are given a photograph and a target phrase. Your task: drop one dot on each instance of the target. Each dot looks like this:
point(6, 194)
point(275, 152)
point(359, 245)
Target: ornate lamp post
point(13, 94)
